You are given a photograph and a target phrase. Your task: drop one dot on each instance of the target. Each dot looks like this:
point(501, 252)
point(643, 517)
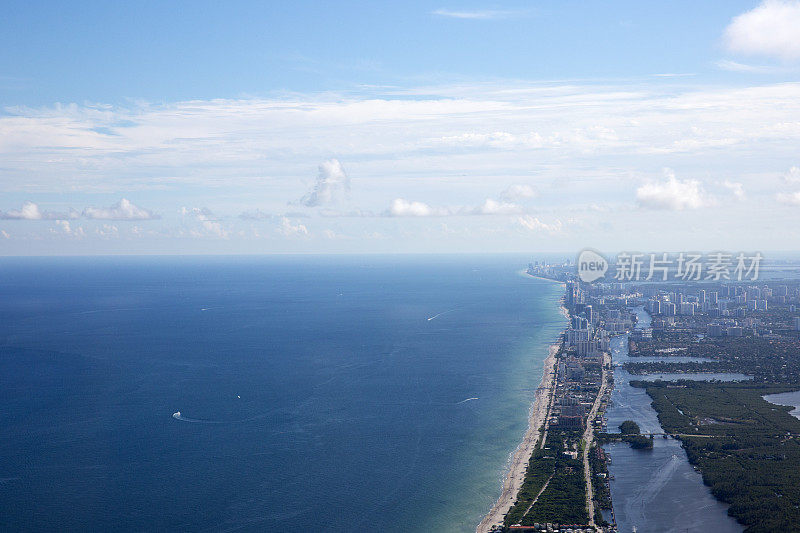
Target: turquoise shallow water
point(314, 392)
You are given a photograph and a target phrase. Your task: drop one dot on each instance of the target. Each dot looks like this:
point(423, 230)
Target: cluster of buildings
point(579, 372)
point(723, 310)
point(727, 300)
point(552, 528)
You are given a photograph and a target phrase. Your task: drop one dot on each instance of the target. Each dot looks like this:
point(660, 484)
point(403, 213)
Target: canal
point(656, 490)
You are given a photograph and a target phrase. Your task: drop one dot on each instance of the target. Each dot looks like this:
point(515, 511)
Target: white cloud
point(793, 176)
point(790, 198)
point(335, 213)
point(265, 144)
point(31, 211)
point(200, 213)
point(122, 210)
point(518, 192)
point(771, 29)
point(331, 182)
point(289, 229)
point(484, 14)
point(107, 231)
point(735, 188)
point(403, 208)
point(735, 66)
point(593, 141)
point(493, 207)
point(534, 224)
point(495, 139)
point(67, 229)
point(208, 222)
point(672, 194)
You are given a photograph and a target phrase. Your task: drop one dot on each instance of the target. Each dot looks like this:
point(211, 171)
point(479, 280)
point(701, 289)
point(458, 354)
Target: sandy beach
point(519, 462)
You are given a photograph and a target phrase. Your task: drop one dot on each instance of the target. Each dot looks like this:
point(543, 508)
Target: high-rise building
point(735, 331)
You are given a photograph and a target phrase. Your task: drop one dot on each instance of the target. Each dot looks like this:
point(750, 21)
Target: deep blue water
point(316, 392)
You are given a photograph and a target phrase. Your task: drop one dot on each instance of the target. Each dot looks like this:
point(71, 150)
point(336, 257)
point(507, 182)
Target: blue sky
point(171, 51)
point(251, 127)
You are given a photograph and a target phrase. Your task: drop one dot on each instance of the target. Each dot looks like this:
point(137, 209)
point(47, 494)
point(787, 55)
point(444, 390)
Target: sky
point(358, 127)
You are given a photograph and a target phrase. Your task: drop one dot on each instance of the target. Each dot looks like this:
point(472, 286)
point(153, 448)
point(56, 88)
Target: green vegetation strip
point(747, 449)
point(564, 499)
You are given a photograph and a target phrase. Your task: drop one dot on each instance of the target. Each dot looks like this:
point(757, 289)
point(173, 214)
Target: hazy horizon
point(427, 127)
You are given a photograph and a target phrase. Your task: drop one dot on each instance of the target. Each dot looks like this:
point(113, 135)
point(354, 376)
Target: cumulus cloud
point(672, 194)
point(290, 229)
point(403, 208)
point(493, 207)
point(107, 230)
point(793, 176)
point(65, 228)
point(122, 210)
point(518, 192)
point(735, 188)
point(208, 221)
point(789, 198)
point(31, 211)
point(771, 29)
point(331, 182)
point(532, 223)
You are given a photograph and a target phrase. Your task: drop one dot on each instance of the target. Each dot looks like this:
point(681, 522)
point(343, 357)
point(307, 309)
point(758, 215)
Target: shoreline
point(512, 482)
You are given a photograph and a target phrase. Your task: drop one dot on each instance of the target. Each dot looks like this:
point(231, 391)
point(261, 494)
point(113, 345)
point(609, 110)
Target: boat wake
point(440, 314)
point(467, 400)
point(178, 416)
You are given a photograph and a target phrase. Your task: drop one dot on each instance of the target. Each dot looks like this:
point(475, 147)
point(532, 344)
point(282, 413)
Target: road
point(588, 438)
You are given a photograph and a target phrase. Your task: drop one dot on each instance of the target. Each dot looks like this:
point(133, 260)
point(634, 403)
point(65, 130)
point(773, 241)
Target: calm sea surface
point(315, 393)
point(657, 490)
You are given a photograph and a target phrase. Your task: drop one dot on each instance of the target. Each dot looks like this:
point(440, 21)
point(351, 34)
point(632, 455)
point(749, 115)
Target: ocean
point(324, 393)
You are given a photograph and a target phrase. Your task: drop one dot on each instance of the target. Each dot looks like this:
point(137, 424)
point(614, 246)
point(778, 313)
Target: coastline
point(512, 482)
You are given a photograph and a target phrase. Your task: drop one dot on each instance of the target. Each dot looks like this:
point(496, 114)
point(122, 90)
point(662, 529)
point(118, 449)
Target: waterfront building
point(735, 331)
point(715, 330)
